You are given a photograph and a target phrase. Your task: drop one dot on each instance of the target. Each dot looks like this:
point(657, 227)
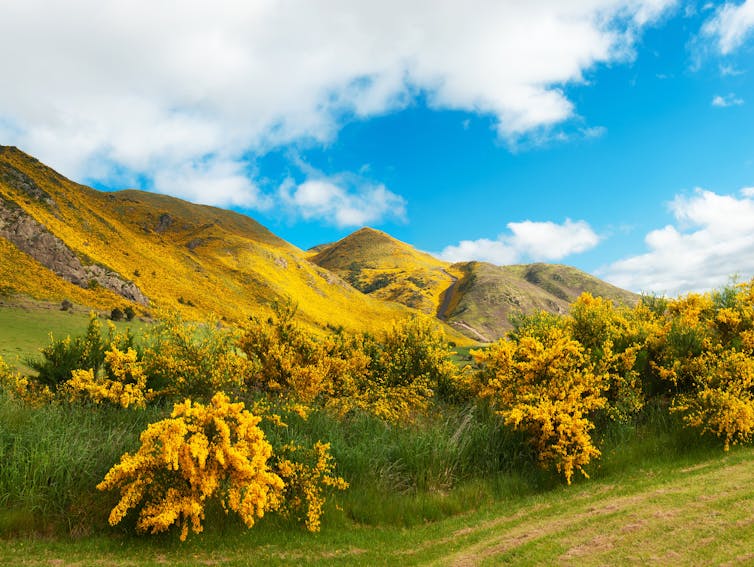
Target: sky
point(616, 136)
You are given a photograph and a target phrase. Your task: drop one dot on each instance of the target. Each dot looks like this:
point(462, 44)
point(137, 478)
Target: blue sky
point(615, 135)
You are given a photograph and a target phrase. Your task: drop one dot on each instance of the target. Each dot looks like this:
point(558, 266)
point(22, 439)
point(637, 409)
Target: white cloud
point(139, 89)
point(344, 201)
point(730, 71)
point(212, 182)
point(731, 25)
point(712, 239)
point(728, 100)
point(532, 240)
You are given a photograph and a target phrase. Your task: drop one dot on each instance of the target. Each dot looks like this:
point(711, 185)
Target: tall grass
point(452, 461)
point(51, 459)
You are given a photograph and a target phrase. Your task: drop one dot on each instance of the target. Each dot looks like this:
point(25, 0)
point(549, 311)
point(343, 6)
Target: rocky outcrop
point(34, 239)
point(18, 180)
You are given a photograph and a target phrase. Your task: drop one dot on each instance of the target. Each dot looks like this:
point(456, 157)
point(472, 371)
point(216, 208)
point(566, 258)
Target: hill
point(379, 265)
point(476, 298)
point(59, 239)
point(62, 240)
point(487, 296)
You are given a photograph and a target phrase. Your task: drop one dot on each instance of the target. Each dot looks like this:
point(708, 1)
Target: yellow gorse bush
point(393, 378)
point(704, 350)
point(127, 388)
point(307, 474)
point(21, 388)
point(612, 337)
point(190, 359)
point(545, 385)
point(723, 401)
point(199, 453)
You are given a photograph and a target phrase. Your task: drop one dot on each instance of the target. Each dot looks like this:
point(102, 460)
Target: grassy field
point(25, 327)
point(660, 494)
point(696, 512)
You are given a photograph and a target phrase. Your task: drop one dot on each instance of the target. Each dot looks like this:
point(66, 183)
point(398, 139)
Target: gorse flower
point(199, 453)
point(544, 383)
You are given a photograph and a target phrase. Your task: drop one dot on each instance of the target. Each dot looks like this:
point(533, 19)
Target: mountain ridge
point(477, 298)
point(63, 240)
point(197, 259)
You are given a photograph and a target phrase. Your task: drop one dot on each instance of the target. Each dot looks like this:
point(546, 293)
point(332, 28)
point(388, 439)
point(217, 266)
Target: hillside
point(476, 298)
point(487, 296)
point(59, 239)
point(379, 265)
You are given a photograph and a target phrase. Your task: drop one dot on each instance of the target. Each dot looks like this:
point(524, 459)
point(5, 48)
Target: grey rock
point(31, 237)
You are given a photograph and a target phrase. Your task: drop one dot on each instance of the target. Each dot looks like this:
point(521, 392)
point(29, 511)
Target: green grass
point(696, 512)
point(25, 327)
point(454, 488)
point(451, 490)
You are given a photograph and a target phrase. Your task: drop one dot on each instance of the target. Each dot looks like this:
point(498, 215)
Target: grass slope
point(26, 326)
point(487, 296)
point(194, 258)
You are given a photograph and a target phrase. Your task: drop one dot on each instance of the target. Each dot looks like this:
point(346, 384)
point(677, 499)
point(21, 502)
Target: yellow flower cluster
point(127, 387)
point(703, 347)
point(722, 401)
point(612, 338)
point(20, 387)
point(199, 453)
point(394, 378)
point(544, 384)
point(193, 359)
point(307, 474)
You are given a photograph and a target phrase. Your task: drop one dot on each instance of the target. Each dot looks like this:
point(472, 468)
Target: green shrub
point(62, 356)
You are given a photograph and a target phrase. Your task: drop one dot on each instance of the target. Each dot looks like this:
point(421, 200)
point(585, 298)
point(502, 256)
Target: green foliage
point(62, 356)
point(401, 419)
point(186, 359)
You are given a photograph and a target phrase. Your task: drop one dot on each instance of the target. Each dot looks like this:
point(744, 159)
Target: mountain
point(59, 239)
point(379, 265)
point(476, 298)
point(485, 298)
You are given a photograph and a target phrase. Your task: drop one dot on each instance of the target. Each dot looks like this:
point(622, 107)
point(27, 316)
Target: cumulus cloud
point(344, 201)
point(711, 240)
point(212, 182)
point(527, 240)
point(731, 25)
point(727, 100)
point(139, 89)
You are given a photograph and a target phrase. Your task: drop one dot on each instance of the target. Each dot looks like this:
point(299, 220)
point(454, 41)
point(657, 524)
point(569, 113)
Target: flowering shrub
point(722, 401)
point(289, 361)
point(128, 387)
point(393, 378)
point(307, 474)
point(545, 385)
point(200, 452)
point(22, 388)
point(612, 337)
point(62, 356)
point(195, 360)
